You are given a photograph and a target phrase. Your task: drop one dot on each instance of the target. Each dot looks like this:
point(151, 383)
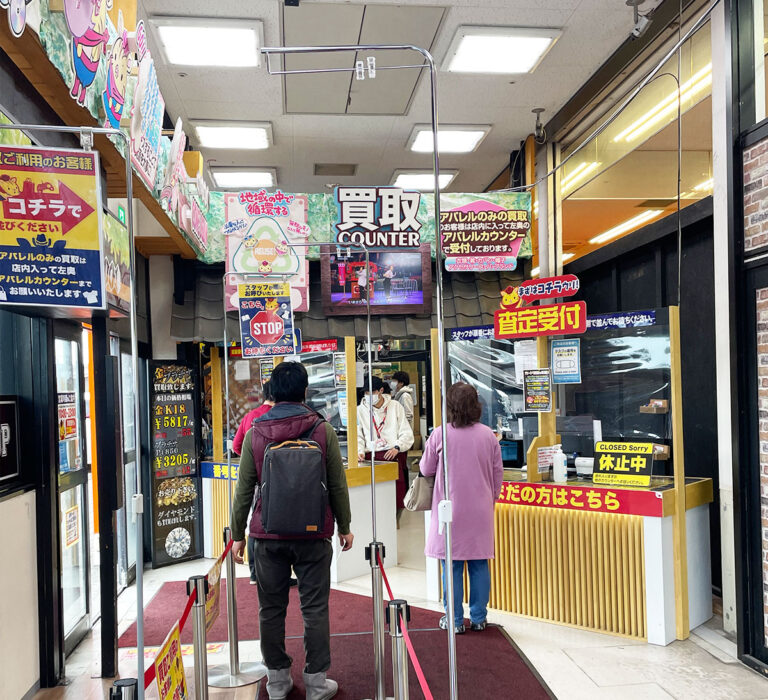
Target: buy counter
point(601, 558)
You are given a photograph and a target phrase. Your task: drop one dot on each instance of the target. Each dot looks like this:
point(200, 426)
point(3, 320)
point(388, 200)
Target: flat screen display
point(396, 281)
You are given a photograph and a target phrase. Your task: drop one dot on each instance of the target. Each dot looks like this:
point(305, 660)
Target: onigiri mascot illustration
point(118, 67)
point(89, 41)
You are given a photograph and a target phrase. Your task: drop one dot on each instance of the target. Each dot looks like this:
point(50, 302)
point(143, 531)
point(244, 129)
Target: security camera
point(641, 26)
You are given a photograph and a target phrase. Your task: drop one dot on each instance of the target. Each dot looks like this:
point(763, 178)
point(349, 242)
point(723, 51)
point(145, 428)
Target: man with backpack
point(292, 462)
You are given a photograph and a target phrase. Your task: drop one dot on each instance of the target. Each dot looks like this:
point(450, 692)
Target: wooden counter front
point(361, 475)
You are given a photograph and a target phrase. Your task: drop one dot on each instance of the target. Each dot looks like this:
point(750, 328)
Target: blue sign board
point(566, 361)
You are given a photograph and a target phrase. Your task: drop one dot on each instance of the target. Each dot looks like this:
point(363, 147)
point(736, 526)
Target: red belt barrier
point(411, 652)
point(149, 674)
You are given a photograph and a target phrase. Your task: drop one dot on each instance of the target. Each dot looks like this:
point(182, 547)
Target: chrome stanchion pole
point(372, 552)
point(236, 674)
point(397, 616)
point(199, 584)
point(124, 689)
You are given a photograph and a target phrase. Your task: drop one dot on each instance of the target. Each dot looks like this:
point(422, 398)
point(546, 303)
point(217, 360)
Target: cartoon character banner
point(261, 231)
point(266, 320)
point(50, 221)
point(484, 234)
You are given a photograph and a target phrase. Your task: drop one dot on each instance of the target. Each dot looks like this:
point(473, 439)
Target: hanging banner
point(147, 117)
point(117, 273)
point(169, 668)
point(555, 319)
point(176, 496)
point(537, 389)
point(566, 361)
point(266, 320)
point(377, 217)
point(50, 221)
point(482, 235)
point(260, 232)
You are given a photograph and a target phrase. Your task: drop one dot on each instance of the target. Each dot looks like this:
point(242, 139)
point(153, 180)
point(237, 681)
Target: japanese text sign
point(50, 239)
point(219, 470)
point(320, 346)
point(485, 236)
point(583, 498)
point(471, 333)
point(266, 319)
point(630, 319)
point(169, 668)
point(554, 319)
point(623, 463)
point(213, 599)
point(538, 390)
point(377, 217)
point(548, 288)
point(265, 235)
point(566, 361)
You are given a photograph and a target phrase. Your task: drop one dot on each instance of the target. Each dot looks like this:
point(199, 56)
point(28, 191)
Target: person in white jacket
point(403, 394)
point(392, 435)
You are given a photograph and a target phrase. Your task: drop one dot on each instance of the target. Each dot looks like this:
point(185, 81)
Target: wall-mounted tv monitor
point(399, 281)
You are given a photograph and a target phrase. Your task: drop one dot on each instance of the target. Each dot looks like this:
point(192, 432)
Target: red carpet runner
point(489, 666)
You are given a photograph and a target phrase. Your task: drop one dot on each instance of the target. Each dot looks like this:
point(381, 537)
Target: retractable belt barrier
point(149, 674)
point(404, 627)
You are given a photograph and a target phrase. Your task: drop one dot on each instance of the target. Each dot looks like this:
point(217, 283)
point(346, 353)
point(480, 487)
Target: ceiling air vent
point(336, 169)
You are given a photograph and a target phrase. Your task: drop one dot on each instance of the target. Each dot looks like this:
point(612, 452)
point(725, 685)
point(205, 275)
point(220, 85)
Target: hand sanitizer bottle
point(559, 465)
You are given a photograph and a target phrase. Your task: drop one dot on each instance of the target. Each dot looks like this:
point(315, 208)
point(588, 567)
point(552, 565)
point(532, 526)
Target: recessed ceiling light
point(579, 173)
point(499, 49)
point(628, 225)
point(568, 256)
point(204, 41)
point(246, 136)
point(450, 139)
point(243, 178)
point(422, 180)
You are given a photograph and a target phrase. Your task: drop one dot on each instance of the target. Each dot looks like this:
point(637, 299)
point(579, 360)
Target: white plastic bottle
point(559, 465)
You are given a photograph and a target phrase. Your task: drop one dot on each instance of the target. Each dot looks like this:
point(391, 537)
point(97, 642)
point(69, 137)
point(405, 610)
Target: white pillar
point(721, 147)
point(161, 306)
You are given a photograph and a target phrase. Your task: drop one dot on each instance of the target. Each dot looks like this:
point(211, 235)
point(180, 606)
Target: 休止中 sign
point(50, 237)
point(266, 319)
point(623, 463)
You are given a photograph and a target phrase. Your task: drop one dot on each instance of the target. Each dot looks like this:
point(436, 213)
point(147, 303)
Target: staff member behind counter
point(392, 435)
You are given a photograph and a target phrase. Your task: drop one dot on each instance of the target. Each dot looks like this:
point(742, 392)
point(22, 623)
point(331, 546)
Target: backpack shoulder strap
point(311, 431)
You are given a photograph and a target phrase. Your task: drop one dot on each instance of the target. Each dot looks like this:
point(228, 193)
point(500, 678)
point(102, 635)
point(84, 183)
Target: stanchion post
point(199, 584)
point(124, 689)
point(237, 674)
point(398, 614)
point(372, 552)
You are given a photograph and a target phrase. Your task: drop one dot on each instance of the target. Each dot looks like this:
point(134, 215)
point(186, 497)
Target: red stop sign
point(267, 328)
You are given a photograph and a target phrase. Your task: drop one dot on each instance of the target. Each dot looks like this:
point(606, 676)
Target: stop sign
point(267, 328)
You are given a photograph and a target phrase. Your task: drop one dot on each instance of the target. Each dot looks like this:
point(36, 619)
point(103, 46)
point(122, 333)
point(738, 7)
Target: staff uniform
point(391, 429)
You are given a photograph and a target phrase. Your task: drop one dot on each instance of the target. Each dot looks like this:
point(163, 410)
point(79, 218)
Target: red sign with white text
point(584, 498)
point(319, 346)
point(548, 288)
point(532, 321)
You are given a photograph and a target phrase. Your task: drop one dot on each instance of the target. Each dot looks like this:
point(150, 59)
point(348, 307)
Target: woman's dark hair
point(289, 382)
point(267, 389)
point(402, 377)
point(463, 405)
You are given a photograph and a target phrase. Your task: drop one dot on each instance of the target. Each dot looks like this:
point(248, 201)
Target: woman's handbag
point(419, 496)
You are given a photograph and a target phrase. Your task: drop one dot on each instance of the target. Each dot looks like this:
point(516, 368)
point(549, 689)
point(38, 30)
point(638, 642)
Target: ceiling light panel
point(202, 41)
point(239, 135)
point(628, 225)
point(450, 139)
point(423, 181)
point(505, 50)
point(243, 178)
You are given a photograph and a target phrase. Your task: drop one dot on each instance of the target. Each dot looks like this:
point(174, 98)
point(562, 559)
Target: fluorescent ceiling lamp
point(535, 272)
point(628, 225)
point(506, 50)
point(536, 208)
point(579, 173)
point(423, 181)
point(203, 41)
point(450, 139)
point(568, 256)
point(223, 135)
point(698, 82)
point(706, 186)
point(242, 178)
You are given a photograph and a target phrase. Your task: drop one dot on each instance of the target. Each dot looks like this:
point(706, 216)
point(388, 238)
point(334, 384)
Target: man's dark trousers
point(311, 560)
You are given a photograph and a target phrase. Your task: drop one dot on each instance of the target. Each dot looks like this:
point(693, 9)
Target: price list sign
point(175, 482)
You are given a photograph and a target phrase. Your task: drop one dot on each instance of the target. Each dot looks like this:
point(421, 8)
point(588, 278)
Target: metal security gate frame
point(86, 134)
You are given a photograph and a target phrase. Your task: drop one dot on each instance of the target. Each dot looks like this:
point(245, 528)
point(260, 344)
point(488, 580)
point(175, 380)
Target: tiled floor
point(574, 663)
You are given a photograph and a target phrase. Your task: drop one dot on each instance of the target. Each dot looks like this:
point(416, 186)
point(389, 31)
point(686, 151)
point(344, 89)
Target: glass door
point(73, 483)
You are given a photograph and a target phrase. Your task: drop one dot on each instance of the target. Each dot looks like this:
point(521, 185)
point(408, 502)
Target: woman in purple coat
point(475, 472)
